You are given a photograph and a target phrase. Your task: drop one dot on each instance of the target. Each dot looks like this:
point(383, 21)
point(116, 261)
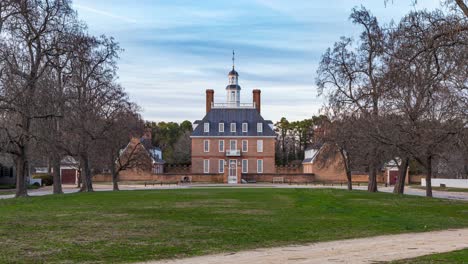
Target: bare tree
point(28, 36)
point(353, 76)
point(423, 62)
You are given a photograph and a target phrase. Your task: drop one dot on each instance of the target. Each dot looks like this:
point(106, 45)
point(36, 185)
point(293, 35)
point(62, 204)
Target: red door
point(68, 176)
point(393, 177)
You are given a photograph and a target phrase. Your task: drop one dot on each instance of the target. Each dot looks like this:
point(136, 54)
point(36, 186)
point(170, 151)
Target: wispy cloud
point(179, 48)
point(105, 13)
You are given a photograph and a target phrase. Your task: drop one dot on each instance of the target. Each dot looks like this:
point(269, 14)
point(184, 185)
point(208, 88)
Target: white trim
point(232, 140)
point(205, 148)
point(206, 127)
point(221, 127)
point(246, 126)
point(246, 166)
point(259, 145)
point(219, 145)
point(260, 127)
point(260, 168)
point(206, 166)
point(230, 177)
point(221, 167)
point(231, 126)
point(246, 145)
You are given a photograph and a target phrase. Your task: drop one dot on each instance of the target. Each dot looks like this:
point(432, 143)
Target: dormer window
point(233, 127)
point(259, 127)
point(221, 127)
point(206, 127)
point(245, 127)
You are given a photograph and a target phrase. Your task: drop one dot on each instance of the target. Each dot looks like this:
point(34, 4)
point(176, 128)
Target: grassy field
point(130, 226)
point(456, 257)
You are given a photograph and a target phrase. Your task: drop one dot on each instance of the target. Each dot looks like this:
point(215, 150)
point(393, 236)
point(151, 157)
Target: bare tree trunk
point(87, 184)
point(115, 180)
point(56, 174)
point(115, 175)
point(346, 162)
point(429, 177)
point(400, 184)
point(21, 172)
point(372, 186)
point(350, 181)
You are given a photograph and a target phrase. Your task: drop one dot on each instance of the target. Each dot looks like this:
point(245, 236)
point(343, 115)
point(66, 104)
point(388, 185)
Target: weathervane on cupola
point(233, 88)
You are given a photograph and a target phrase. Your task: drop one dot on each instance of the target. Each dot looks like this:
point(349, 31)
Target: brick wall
point(164, 178)
point(288, 178)
point(214, 155)
point(177, 169)
point(290, 169)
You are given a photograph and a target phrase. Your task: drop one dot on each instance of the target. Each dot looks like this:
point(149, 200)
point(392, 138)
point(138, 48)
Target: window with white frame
point(206, 166)
point(245, 145)
point(221, 127)
point(221, 166)
point(259, 127)
point(233, 144)
point(233, 127)
point(259, 145)
point(259, 166)
point(221, 146)
point(245, 166)
point(206, 145)
point(206, 127)
point(245, 127)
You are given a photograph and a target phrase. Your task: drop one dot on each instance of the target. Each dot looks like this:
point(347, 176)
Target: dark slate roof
point(238, 116)
point(233, 72)
point(233, 86)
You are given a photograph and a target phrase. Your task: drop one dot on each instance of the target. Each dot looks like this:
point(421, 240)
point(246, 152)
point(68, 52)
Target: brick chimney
point(209, 99)
point(256, 99)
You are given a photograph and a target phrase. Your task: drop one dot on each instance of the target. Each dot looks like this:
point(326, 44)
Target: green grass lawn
point(131, 226)
point(455, 257)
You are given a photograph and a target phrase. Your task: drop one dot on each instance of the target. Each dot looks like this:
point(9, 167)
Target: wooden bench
point(278, 180)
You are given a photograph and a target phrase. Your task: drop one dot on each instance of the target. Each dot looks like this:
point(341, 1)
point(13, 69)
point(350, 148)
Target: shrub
point(47, 179)
point(34, 186)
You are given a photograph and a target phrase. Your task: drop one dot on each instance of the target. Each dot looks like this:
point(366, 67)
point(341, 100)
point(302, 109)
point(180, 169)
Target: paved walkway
point(352, 251)
point(462, 196)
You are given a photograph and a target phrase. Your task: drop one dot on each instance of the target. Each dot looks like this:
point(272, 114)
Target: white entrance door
point(232, 176)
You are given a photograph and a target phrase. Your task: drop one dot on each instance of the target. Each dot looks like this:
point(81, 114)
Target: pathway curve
point(350, 251)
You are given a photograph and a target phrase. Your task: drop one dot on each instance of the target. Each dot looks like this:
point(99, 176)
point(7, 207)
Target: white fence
point(454, 183)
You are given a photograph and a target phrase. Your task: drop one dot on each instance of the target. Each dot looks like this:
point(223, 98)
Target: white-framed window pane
point(259, 145)
point(206, 166)
point(221, 146)
point(233, 127)
point(260, 127)
point(206, 127)
point(221, 166)
point(259, 166)
point(233, 145)
point(245, 166)
point(245, 127)
point(206, 145)
point(245, 145)
point(221, 127)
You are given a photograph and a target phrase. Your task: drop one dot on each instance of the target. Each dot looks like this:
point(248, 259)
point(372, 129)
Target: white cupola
point(233, 88)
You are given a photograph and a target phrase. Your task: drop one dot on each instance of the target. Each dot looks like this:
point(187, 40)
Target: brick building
point(233, 139)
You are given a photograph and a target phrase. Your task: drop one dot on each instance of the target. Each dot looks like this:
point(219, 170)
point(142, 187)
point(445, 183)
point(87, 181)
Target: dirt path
point(352, 251)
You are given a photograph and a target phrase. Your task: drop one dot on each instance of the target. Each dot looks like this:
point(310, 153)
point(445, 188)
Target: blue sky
point(175, 50)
